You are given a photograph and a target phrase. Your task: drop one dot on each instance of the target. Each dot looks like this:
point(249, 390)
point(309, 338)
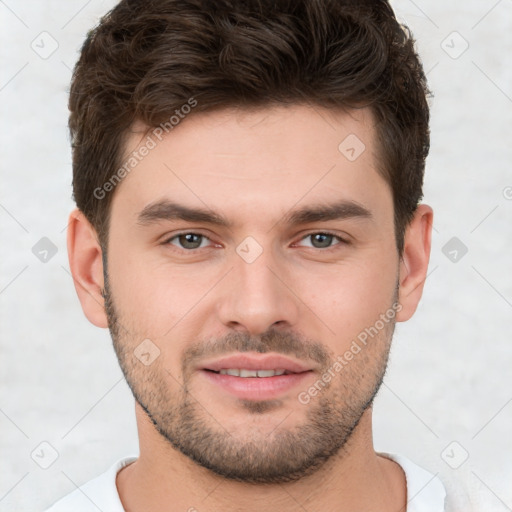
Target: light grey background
point(450, 376)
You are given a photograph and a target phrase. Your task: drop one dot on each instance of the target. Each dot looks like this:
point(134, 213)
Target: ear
point(414, 261)
point(86, 263)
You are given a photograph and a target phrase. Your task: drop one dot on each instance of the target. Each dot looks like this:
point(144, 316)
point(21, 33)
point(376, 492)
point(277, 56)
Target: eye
point(189, 241)
point(323, 240)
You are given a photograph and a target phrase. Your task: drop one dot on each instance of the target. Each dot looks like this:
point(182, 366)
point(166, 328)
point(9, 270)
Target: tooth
point(266, 373)
point(236, 372)
point(248, 373)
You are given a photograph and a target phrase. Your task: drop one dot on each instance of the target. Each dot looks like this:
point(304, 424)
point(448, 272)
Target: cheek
point(352, 297)
point(154, 297)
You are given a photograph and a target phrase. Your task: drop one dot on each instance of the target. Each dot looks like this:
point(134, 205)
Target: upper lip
point(257, 362)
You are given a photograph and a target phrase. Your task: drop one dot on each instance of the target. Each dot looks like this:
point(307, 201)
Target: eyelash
point(341, 241)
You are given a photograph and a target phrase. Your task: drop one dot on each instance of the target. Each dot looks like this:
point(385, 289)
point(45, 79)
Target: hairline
point(234, 108)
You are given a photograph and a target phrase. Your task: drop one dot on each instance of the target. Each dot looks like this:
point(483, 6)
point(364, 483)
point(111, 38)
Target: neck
point(354, 479)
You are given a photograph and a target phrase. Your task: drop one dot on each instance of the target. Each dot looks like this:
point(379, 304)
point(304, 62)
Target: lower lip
point(257, 388)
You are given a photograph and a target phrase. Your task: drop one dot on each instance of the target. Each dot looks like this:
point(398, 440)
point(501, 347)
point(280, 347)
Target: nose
point(258, 295)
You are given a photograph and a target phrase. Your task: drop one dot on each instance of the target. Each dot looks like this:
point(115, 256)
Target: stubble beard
point(254, 457)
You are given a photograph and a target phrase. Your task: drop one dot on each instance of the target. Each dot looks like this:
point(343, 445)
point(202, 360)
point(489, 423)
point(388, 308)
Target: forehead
point(246, 161)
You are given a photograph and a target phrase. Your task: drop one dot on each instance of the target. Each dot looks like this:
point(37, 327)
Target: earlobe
point(86, 264)
point(414, 262)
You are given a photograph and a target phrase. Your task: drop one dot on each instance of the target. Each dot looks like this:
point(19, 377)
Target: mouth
point(256, 377)
point(246, 373)
point(257, 362)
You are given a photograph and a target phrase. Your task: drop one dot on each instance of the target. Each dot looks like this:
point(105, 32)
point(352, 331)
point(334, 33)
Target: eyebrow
point(169, 210)
point(320, 213)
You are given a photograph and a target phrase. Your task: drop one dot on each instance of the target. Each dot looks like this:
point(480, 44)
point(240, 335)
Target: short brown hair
point(146, 59)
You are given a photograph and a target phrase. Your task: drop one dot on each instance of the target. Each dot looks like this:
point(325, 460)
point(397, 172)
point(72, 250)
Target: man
point(248, 177)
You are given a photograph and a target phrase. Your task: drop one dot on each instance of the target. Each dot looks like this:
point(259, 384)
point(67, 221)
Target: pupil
point(190, 241)
point(193, 241)
point(323, 239)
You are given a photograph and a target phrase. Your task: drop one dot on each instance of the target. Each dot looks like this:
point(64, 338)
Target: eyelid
point(168, 238)
point(342, 240)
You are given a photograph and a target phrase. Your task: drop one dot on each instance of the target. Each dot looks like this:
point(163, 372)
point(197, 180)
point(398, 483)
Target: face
point(254, 240)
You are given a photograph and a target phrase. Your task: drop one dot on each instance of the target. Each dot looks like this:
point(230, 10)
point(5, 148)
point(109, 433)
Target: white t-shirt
point(425, 492)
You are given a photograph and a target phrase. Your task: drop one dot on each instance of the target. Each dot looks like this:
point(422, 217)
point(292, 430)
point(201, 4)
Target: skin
point(254, 168)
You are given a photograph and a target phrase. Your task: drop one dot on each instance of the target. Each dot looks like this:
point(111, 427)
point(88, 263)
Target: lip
point(257, 388)
point(257, 362)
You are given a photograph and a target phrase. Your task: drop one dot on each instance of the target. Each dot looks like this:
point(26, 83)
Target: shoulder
point(99, 493)
point(425, 491)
